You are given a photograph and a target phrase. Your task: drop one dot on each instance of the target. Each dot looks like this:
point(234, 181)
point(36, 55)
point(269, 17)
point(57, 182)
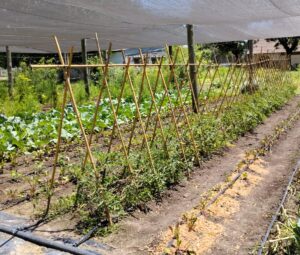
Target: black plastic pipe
point(277, 213)
point(27, 236)
point(87, 236)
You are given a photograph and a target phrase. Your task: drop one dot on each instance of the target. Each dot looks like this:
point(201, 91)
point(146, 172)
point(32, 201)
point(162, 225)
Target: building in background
point(153, 55)
point(267, 48)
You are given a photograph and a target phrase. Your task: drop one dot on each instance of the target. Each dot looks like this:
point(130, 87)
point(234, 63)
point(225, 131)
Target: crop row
point(37, 130)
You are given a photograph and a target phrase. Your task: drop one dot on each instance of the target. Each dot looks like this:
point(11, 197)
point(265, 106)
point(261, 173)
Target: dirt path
point(141, 232)
point(243, 229)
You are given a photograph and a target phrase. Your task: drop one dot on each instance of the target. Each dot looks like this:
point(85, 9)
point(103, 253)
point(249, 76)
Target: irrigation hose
point(228, 186)
point(87, 236)
point(27, 236)
point(277, 213)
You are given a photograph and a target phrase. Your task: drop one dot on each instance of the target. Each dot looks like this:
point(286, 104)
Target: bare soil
point(242, 230)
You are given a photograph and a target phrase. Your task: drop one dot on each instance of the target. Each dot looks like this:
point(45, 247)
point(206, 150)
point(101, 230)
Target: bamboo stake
point(263, 68)
point(59, 132)
point(189, 78)
point(224, 87)
point(271, 72)
point(209, 90)
point(117, 111)
point(203, 82)
point(237, 88)
point(95, 117)
point(218, 109)
point(140, 118)
point(181, 85)
point(61, 66)
point(236, 91)
point(139, 103)
point(107, 211)
point(151, 106)
point(159, 111)
point(216, 78)
point(264, 75)
point(116, 118)
point(173, 113)
point(68, 84)
point(155, 108)
point(170, 78)
point(172, 73)
point(236, 79)
point(185, 114)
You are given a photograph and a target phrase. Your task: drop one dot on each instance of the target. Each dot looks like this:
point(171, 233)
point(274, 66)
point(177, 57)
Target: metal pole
point(85, 70)
point(193, 70)
point(9, 71)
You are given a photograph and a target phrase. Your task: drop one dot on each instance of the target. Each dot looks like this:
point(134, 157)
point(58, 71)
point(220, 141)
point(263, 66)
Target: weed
point(176, 236)
point(15, 175)
point(190, 220)
point(12, 193)
point(244, 176)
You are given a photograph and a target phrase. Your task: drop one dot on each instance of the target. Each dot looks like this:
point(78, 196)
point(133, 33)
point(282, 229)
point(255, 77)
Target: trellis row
point(165, 112)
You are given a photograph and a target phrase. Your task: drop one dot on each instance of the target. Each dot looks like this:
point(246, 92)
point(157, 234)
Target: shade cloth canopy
point(143, 23)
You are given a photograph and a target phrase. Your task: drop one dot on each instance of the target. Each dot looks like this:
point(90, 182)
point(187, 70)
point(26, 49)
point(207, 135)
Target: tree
point(2, 60)
point(236, 48)
point(290, 44)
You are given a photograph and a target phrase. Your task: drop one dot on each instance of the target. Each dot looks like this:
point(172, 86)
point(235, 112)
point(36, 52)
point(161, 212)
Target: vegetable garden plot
point(147, 137)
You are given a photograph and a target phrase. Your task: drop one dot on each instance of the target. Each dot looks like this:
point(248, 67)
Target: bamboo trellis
point(166, 88)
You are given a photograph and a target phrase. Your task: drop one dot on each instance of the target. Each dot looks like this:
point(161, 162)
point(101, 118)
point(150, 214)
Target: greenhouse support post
point(9, 71)
point(193, 69)
point(250, 49)
point(170, 48)
point(85, 70)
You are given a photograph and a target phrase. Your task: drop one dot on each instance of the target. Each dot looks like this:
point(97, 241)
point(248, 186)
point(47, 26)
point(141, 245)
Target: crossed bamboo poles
point(229, 93)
